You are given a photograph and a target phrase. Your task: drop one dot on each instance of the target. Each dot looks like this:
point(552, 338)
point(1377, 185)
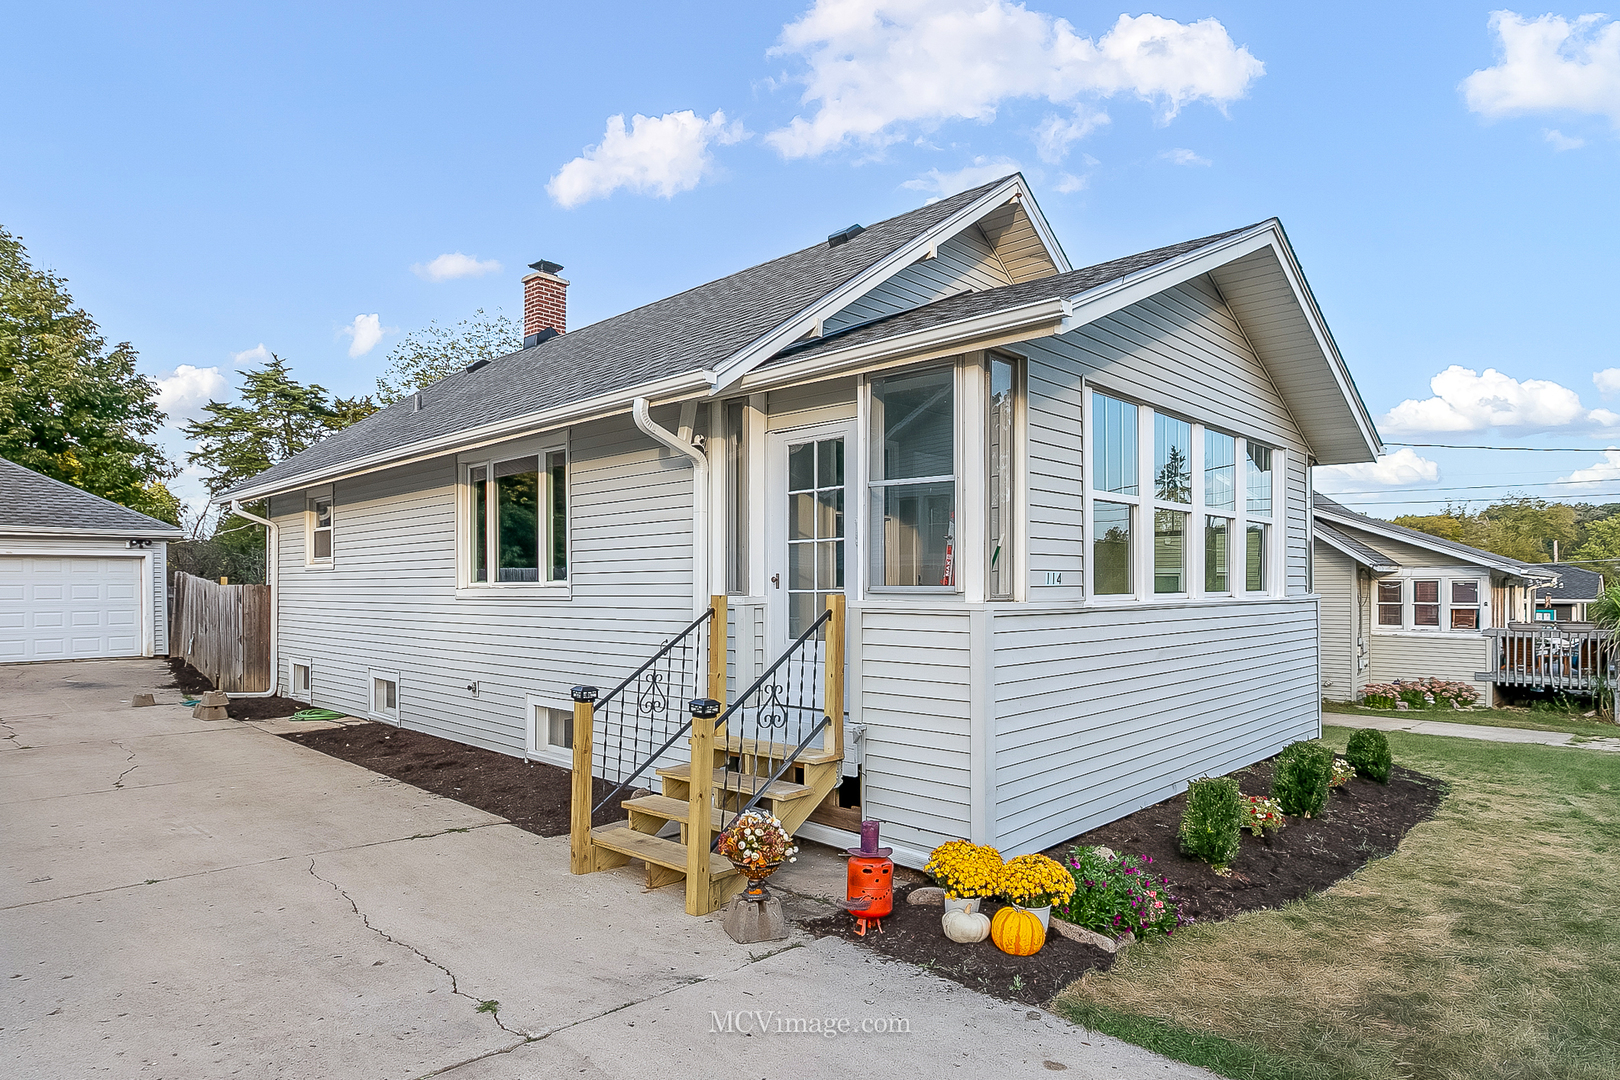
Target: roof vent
point(476, 364)
point(416, 403)
point(531, 340)
point(844, 236)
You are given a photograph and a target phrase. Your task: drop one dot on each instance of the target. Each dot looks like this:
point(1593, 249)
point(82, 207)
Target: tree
point(70, 407)
point(1519, 527)
point(1602, 542)
point(427, 355)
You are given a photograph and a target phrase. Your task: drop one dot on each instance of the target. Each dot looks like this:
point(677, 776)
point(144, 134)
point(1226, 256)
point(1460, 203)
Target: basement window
point(298, 680)
point(550, 731)
point(385, 695)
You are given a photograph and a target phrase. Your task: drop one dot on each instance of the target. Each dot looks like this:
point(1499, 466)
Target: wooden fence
point(223, 631)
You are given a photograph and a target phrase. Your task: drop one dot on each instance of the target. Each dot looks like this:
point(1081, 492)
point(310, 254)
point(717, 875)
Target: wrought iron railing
point(639, 721)
point(772, 723)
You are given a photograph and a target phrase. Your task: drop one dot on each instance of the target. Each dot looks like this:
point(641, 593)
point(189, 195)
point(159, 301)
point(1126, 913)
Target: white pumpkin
point(965, 927)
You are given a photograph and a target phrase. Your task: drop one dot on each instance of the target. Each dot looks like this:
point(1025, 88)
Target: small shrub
point(1415, 698)
point(1213, 820)
point(1368, 752)
point(1262, 814)
point(1380, 695)
point(1116, 893)
point(1300, 784)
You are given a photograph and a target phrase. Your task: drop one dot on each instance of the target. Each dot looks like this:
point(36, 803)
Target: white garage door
point(71, 607)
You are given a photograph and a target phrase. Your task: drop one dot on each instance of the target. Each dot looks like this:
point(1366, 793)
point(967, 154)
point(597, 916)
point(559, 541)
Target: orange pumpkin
point(1017, 932)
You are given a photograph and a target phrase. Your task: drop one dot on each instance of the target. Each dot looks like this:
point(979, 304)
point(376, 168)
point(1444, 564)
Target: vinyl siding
point(1101, 712)
point(390, 599)
point(160, 598)
point(966, 262)
point(1442, 655)
point(1336, 585)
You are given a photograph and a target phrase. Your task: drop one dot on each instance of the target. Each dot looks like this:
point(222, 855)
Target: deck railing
point(1578, 660)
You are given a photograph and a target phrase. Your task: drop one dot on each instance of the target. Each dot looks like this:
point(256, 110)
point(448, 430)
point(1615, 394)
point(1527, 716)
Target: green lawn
point(1573, 723)
point(1488, 946)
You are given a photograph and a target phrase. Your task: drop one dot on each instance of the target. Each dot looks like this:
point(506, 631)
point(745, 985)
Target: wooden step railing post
point(717, 649)
point(833, 697)
point(581, 851)
point(700, 804)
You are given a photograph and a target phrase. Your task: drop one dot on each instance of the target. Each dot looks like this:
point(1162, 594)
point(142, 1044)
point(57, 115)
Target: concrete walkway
point(185, 899)
point(1469, 731)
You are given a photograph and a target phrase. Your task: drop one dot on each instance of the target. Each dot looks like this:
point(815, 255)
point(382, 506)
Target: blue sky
point(211, 181)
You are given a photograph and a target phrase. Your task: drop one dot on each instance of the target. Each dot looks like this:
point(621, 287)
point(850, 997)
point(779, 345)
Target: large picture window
point(912, 479)
point(517, 521)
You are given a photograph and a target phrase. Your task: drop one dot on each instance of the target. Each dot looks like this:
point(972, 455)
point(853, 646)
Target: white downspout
point(700, 500)
point(272, 560)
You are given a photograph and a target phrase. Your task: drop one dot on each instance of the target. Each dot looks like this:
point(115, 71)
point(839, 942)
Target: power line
point(1528, 449)
point(1468, 487)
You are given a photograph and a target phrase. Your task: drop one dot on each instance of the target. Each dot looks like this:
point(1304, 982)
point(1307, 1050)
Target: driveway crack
point(455, 987)
point(118, 783)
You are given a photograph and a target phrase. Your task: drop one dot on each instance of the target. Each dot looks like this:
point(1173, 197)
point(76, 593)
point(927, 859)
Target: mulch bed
point(912, 934)
point(1364, 821)
point(530, 794)
point(188, 680)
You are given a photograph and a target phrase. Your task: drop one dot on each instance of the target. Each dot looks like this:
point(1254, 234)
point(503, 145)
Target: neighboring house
point(1401, 604)
point(80, 577)
point(1567, 599)
point(1069, 509)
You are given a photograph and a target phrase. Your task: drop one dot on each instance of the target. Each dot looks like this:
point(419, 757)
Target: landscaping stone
point(750, 921)
point(1082, 936)
point(927, 894)
point(141, 701)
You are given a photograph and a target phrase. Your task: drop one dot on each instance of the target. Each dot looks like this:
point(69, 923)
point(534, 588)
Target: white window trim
point(541, 749)
point(305, 695)
point(310, 497)
point(1445, 575)
point(466, 587)
point(395, 717)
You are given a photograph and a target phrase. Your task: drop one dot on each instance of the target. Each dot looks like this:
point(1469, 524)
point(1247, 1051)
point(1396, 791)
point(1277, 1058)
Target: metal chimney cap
point(546, 266)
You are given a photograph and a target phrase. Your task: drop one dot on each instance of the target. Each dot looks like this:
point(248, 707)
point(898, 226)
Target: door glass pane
point(830, 463)
point(1220, 471)
point(802, 467)
point(1114, 445)
point(830, 512)
point(801, 567)
point(1111, 549)
point(802, 515)
point(913, 419)
point(1169, 551)
point(1172, 459)
point(1217, 544)
point(517, 519)
point(815, 529)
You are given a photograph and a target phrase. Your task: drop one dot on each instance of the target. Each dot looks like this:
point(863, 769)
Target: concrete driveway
point(191, 899)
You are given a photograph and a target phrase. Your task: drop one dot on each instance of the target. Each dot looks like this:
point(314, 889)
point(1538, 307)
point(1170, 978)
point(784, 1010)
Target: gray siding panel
point(1101, 712)
point(160, 598)
point(1336, 584)
point(1441, 655)
point(965, 262)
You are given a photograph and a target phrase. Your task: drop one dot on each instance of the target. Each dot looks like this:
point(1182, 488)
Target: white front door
point(69, 607)
point(809, 540)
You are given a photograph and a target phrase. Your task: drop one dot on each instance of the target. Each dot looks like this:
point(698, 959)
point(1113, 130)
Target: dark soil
point(1364, 820)
point(913, 934)
point(188, 680)
point(531, 795)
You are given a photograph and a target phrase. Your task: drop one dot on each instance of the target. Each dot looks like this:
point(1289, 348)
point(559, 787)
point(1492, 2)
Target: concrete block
point(141, 701)
point(215, 697)
point(748, 921)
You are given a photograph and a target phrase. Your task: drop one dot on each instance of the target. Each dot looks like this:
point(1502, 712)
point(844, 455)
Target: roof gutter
point(25, 531)
point(700, 496)
point(272, 563)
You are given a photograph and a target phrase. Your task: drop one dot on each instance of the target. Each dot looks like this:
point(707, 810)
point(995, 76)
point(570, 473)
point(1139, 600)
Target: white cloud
point(1182, 156)
point(1068, 183)
point(876, 67)
point(183, 392)
point(1607, 381)
point(1550, 63)
point(363, 334)
point(1404, 466)
point(659, 155)
point(249, 357)
point(453, 265)
point(1465, 400)
point(1056, 133)
point(1561, 142)
point(1605, 471)
point(982, 171)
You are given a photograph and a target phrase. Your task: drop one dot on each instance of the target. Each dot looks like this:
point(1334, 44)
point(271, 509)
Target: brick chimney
point(545, 303)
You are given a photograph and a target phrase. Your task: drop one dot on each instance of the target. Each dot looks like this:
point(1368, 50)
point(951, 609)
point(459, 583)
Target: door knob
point(776, 580)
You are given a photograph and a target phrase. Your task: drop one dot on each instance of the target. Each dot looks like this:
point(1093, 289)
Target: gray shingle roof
point(1401, 532)
point(1366, 556)
point(37, 504)
point(688, 332)
point(1576, 583)
point(969, 305)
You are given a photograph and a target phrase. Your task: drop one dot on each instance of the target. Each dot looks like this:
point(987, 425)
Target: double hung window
point(1257, 537)
point(1220, 506)
point(1426, 603)
point(1430, 603)
point(912, 480)
point(319, 515)
point(1116, 495)
point(1390, 602)
point(518, 520)
point(1465, 605)
point(1172, 502)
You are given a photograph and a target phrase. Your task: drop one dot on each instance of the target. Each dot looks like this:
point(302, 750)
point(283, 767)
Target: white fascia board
point(1102, 300)
point(32, 531)
point(1417, 540)
point(698, 383)
point(734, 367)
point(1039, 318)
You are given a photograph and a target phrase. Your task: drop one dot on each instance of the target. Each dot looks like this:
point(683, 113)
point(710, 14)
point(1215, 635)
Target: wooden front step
point(781, 791)
point(661, 807)
point(737, 746)
point(669, 854)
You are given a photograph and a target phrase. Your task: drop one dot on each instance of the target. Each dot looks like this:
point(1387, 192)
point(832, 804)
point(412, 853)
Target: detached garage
point(80, 577)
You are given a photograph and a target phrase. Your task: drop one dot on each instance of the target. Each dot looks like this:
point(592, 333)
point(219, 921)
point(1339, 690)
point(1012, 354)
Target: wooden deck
point(1574, 658)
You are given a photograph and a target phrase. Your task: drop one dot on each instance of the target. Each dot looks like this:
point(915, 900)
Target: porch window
point(1426, 603)
point(517, 521)
point(1257, 531)
point(1220, 500)
point(1465, 605)
point(912, 479)
point(1115, 492)
point(320, 528)
point(1390, 602)
point(1001, 442)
